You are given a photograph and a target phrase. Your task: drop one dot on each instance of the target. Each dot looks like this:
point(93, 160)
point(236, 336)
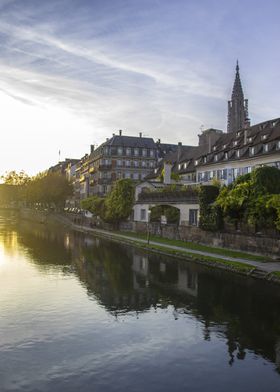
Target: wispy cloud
point(154, 66)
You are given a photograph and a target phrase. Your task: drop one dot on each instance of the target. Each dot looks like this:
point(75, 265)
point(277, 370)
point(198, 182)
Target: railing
point(104, 181)
point(105, 166)
point(171, 196)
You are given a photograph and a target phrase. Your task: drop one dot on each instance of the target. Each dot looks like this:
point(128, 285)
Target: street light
point(148, 227)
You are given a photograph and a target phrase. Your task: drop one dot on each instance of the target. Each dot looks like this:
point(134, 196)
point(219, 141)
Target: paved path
point(264, 266)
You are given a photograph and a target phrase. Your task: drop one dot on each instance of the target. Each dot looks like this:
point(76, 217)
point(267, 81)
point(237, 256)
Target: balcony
point(105, 166)
point(104, 181)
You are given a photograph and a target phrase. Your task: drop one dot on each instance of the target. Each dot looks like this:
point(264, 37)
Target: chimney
point(140, 134)
point(209, 143)
point(91, 148)
point(247, 123)
point(167, 173)
point(158, 141)
point(120, 132)
point(179, 151)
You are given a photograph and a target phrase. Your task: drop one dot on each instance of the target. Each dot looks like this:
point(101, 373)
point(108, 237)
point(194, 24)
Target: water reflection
point(242, 312)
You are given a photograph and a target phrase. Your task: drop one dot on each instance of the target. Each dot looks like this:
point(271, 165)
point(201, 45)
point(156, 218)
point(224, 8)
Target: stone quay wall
point(257, 244)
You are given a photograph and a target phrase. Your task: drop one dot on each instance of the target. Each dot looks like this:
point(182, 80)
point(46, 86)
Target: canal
point(79, 313)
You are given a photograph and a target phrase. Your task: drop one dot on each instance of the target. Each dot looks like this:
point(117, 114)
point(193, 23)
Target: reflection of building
point(187, 281)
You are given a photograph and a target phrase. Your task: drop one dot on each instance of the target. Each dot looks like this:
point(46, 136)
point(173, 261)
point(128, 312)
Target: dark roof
point(130, 141)
point(256, 136)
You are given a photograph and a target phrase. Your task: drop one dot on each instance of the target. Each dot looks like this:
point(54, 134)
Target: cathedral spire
point(238, 106)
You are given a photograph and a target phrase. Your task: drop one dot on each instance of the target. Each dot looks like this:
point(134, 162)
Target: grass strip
point(195, 246)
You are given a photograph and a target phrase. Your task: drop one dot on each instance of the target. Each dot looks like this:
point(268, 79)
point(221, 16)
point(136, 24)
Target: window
point(265, 148)
point(143, 163)
point(250, 139)
point(264, 137)
point(136, 151)
point(224, 146)
point(128, 151)
point(119, 150)
point(235, 142)
point(252, 150)
point(144, 152)
point(215, 157)
point(204, 159)
point(185, 165)
point(119, 163)
point(278, 144)
point(238, 153)
point(143, 214)
point(152, 154)
point(193, 217)
point(214, 148)
point(196, 162)
point(151, 164)
point(136, 164)
point(179, 166)
point(226, 155)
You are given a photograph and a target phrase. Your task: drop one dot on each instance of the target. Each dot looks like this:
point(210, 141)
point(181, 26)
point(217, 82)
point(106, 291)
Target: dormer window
point(224, 146)
point(238, 153)
point(185, 165)
point(226, 155)
point(238, 134)
point(179, 166)
point(196, 162)
point(250, 139)
point(265, 148)
point(235, 142)
point(252, 151)
point(215, 157)
point(204, 159)
point(264, 137)
point(214, 148)
point(278, 144)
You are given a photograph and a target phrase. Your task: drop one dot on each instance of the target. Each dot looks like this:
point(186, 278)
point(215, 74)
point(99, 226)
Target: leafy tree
point(15, 178)
point(274, 202)
point(210, 215)
point(234, 202)
point(119, 202)
point(95, 205)
point(48, 189)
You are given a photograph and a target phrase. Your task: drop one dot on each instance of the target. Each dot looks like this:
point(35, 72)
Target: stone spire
point(238, 106)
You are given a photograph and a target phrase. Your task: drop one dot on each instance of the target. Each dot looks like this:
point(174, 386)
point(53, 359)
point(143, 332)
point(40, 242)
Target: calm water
point(82, 314)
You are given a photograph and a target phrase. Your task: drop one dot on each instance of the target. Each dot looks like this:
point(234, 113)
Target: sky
point(72, 72)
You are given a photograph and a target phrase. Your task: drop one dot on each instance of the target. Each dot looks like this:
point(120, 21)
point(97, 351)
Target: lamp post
point(148, 226)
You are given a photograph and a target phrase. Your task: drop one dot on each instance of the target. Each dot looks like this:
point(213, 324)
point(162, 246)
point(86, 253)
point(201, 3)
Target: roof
point(130, 141)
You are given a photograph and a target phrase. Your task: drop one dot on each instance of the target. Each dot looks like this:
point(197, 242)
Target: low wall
point(254, 244)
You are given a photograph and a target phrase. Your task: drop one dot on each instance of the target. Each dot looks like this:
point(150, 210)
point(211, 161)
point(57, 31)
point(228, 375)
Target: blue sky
point(72, 72)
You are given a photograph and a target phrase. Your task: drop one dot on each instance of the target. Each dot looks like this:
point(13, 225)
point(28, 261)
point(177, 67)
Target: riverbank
point(244, 263)
point(267, 270)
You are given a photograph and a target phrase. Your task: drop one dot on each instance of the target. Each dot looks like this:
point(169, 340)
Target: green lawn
point(195, 246)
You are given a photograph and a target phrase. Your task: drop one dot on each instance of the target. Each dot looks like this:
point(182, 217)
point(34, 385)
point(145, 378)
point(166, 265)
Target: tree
point(48, 189)
point(210, 215)
point(95, 205)
point(15, 178)
point(119, 202)
point(234, 202)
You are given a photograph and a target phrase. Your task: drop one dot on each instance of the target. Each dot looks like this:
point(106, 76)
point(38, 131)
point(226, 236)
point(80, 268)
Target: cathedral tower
point(238, 106)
